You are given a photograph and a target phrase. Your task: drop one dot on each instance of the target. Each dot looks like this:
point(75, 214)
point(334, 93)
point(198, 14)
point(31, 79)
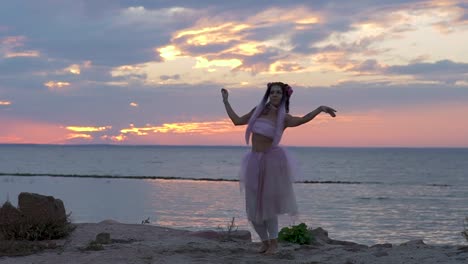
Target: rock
point(416, 242)
point(353, 247)
point(208, 234)
point(103, 238)
point(386, 245)
point(320, 235)
point(241, 235)
point(40, 208)
point(462, 249)
point(380, 254)
point(346, 243)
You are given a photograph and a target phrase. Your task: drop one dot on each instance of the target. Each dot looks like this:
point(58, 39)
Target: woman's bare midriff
point(260, 143)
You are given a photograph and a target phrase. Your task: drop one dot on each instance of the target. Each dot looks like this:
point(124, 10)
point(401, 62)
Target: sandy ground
point(132, 243)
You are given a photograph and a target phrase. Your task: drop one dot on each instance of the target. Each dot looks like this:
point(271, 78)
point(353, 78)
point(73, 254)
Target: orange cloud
point(204, 128)
point(223, 33)
point(55, 85)
point(87, 129)
point(433, 125)
point(73, 69)
point(27, 53)
point(5, 103)
point(73, 136)
point(10, 47)
point(169, 52)
point(233, 36)
point(13, 41)
point(119, 138)
point(204, 63)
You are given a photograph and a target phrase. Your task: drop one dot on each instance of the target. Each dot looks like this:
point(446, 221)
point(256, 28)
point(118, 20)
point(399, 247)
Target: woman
point(267, 173)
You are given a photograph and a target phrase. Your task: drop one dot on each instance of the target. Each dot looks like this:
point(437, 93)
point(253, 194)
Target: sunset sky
point(150, 72)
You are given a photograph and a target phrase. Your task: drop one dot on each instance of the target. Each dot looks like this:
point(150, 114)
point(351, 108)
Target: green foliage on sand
point(298, 234)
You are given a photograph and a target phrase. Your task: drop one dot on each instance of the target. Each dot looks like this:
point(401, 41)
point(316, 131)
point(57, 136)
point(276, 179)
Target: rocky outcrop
point(37, 217)
point(40, 208)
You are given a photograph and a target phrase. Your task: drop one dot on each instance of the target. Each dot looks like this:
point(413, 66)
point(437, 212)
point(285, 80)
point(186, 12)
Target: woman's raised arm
point(236, 120)
point(293, 121)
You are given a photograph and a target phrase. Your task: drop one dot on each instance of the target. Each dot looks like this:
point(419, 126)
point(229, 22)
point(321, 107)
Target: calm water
point(396, 194)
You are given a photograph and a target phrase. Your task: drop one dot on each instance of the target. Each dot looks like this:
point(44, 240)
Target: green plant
point(31, 230)
point(24, 236)
point(298, 234)
point(93, 245)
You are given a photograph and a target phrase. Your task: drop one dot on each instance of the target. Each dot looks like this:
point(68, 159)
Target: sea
point(365, 195)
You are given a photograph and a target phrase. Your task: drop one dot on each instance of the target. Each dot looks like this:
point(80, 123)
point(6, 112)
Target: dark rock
point(320, 235)
point(208, 234)
point(416, 242)
point(241, 235)
point(380, 254)
point(346, 243)
point(355, 247)
point(462, 249)
point(103, 238)
point(40, 208)
point(386, 245)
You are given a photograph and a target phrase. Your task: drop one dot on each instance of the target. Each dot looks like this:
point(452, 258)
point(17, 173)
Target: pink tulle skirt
point(267, 179)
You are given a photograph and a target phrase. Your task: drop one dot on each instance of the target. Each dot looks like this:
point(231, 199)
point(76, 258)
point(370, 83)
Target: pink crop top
point(264, 127)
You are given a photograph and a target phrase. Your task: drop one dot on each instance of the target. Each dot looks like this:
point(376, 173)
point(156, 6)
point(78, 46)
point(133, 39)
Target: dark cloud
point(170, 77)
point(27, 65)
point(67, 32)
point(443, 71)
point(366, 97)
point(371, 66)
point(439, 67)
point(260, 62)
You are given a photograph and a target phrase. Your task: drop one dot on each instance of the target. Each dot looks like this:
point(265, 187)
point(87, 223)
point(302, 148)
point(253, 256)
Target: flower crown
point(289, 90)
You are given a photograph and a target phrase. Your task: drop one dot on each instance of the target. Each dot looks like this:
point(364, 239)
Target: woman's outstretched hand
point(225, 94)
point(328, 110)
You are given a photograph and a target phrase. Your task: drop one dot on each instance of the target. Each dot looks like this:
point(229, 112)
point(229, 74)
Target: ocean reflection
point(363, 213)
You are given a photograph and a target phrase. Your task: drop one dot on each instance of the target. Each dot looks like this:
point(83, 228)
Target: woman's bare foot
point(272, 248)
point(265, 246)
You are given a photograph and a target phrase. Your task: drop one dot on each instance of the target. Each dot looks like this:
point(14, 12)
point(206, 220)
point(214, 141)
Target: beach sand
point(142, 243)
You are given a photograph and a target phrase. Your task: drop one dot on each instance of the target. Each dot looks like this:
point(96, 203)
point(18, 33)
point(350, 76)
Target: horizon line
point(245, 146)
